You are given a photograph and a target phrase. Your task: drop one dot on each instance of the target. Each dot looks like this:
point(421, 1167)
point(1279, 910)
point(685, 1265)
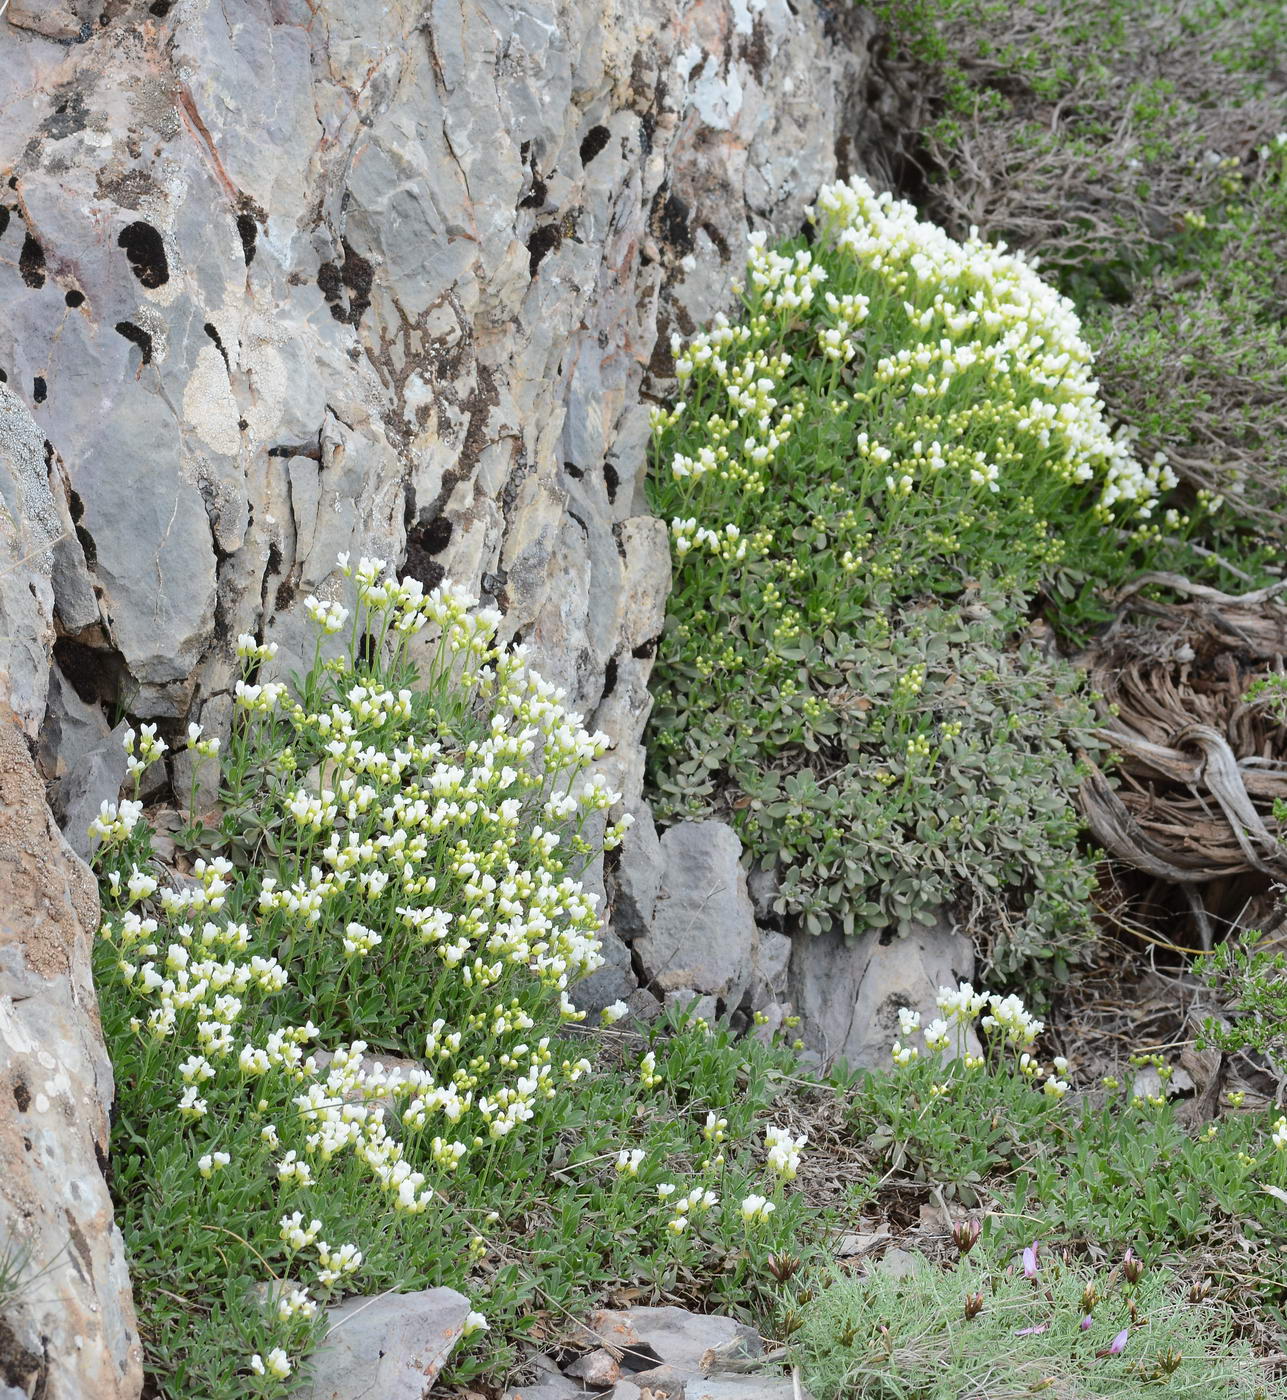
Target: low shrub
point(870, 475)
point(395, 873)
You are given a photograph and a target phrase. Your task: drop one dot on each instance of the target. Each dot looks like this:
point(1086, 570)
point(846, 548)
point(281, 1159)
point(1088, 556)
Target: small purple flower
point(1117, 1345)
point(1033, 1331)
point(1087, 1323)
point(1030, 1261)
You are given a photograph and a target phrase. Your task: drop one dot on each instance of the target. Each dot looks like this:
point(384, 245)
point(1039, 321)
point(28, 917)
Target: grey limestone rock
point(703, 927)
point(95, 777)
point(614, 981)
point(71, 727)
point(637, 880)
point(282, 279)
point(672, 1353)
point(848, 990)
point(71, 1333)
point(770, 958)
point(393, 1345)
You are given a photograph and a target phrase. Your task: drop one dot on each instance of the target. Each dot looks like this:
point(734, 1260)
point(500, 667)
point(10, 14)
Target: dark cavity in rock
point(137, 336)
point(592, 143)
point(249, 232)
point(31, 263)
point(145, 250)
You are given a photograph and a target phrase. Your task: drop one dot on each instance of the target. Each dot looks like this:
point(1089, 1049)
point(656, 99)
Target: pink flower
point(1030, 1261)
point(1117, 1345)
point(1087, 1322)
point(1033, 1331)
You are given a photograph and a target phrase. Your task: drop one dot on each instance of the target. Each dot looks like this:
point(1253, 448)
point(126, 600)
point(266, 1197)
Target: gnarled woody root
point(1199, 765)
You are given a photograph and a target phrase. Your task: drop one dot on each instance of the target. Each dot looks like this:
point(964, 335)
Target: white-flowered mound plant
point(870, 474)
point(346, 1056)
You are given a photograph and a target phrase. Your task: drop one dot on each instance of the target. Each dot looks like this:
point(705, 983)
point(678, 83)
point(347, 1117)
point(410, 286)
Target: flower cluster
point(426, 873)
point(784, 1151)
point(986, 314)
point(951, 1032)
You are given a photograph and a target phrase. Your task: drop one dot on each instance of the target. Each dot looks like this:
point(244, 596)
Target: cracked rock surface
point(282, 279)
point(67, 1328)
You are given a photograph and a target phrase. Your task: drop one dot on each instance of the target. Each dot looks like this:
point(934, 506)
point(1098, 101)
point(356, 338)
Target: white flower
point(296, 1234)
point(291, 1169)
point(191, 1105)
point(629, 1162)
point(278, 1364)
point(475, 1322)
point(611, 1014)
point(1011, 1017)
point(295, 1303)
point(961, 1005)
point(359, 940)
point(114, 823)
point(937, 1035)
point(211, 1162)
point(784, 1151)
point(330, 617)
point(757, 1208)
point(140, 885)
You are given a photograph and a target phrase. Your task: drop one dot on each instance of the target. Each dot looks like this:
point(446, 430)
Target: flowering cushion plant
point(869, 475)
point(346, 1054)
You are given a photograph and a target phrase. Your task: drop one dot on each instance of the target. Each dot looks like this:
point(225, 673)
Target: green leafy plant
point(1006, 1133)
point(870, 476)
point(1250, 982)
point(345, 1056)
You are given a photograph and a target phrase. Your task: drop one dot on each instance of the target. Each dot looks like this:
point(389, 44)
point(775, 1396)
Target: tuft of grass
point(985, 1330)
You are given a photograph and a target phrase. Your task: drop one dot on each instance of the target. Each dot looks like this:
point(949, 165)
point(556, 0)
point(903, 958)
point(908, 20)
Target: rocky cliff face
point(66, 1314)
point(280, 279)
point(285, 278)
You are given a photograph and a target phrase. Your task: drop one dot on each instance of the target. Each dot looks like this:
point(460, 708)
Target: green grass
point(1132, 147)
point(1095, 1169)
point(984, 1331)
point(1086, 1173)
